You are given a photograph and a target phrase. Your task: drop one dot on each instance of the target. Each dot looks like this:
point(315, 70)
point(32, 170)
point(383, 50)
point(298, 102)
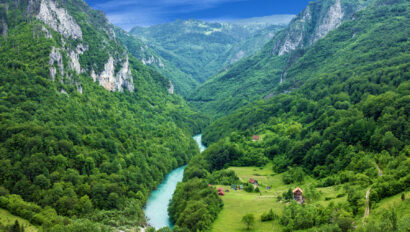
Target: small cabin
point(267, 187)
point(255, 138)
point(253, 181)
point(298, 195)
point(221, 192)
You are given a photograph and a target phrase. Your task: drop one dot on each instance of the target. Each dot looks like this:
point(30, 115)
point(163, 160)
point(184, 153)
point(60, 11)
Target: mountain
point(262, 21)
point(256, 77)
point(193, 50)
point(181, 81)
point(86, 130)
point(338, 128)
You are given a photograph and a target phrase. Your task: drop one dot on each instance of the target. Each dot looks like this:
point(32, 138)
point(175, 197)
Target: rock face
point(332, 20)
point(59, 20)
point(314, 23)
point(74, 58)
point(171, 88)
point(111, 82)
point(56, 59)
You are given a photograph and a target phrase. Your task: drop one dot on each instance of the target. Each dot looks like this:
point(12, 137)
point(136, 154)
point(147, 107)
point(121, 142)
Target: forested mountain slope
point(346, 119)
point(182, 82)
point(257, 77)
point(199, 50)
point(86, 131)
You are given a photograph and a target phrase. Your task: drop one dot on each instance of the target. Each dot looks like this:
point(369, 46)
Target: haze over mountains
point(191, 51)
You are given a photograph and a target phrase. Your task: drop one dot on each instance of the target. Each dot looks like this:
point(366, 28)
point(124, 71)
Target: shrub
point(269, 216)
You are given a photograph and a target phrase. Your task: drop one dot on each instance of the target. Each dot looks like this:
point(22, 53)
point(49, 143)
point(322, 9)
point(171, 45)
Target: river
point(156, 209)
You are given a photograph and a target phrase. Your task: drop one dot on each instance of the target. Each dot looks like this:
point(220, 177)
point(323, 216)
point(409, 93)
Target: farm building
point(298, 195)
point(253, 181)
point(255, 138)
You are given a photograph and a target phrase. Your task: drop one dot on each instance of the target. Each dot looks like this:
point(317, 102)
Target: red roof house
point(255, 138)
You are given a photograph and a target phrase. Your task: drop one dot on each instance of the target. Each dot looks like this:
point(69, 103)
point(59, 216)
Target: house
point(298, 195)
point(253, 181)
point(267, 187)
point(221, 192)
point(255, 138)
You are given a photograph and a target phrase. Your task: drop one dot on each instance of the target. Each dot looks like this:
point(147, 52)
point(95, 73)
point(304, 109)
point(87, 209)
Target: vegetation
point(342, 119)
point(193, 50)
point(266, 74)
point(248, 220)
point(83, 160)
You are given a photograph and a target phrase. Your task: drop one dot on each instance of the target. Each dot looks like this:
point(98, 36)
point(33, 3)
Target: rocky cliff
point(85, 42)
point(314, 23)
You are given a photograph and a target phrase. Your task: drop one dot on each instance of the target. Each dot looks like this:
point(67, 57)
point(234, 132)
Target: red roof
point(220, 189)
point(297, 190)
point(255, 137)
point(252, 181)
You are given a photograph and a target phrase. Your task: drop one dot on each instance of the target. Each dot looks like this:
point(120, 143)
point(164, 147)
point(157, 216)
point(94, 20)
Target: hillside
point(338, 129)
point(86, 130)
point(197, 50)
point(260, 75)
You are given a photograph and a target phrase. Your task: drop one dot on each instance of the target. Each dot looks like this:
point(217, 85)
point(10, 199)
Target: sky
point(130, 13)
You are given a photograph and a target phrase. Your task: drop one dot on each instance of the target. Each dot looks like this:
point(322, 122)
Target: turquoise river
point(156, 209)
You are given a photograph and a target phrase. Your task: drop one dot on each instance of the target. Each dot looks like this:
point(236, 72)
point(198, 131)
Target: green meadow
point(237, 203)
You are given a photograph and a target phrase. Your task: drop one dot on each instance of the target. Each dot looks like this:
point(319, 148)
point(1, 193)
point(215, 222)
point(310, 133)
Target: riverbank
point(156, 209)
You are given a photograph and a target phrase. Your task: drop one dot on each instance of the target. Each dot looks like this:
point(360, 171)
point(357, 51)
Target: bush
point(269, 216)
point(249, 188)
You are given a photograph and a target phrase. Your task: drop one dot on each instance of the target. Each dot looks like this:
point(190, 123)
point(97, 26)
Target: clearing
point(238, 203)
point(6, 219)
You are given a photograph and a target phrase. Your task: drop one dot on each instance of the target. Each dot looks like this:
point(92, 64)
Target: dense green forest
point(342, 115)
point(74, 156)
point(89, 127)
point(259, 76)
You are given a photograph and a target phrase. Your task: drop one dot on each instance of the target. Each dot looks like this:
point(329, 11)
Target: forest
point(74, 156)
point(331, 116)
point(343, 120)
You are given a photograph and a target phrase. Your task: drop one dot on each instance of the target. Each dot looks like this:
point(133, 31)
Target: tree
point(403, 197)
point(15, 227)
point(248, 220)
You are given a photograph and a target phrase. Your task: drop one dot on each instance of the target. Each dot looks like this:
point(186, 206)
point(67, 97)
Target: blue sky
point(128, 13)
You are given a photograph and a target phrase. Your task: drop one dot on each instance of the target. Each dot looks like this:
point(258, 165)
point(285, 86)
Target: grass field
point(239, 203)
point(6, 219)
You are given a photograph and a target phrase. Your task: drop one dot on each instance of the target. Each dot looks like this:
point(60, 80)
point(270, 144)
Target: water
point(157, 205)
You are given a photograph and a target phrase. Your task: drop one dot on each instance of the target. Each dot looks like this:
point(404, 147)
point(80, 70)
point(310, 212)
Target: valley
point(277, 123)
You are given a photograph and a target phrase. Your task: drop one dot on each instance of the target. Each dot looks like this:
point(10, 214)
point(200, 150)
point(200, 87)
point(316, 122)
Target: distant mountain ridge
point(265, 20)
point(190, 51)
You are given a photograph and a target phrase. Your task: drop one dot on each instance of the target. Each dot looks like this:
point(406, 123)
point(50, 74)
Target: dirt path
point(367, 211)
point(378, 169)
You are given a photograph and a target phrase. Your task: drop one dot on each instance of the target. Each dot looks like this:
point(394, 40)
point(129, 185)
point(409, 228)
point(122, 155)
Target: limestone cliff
point(58, 18)
point(314, 23)
point(115, 82)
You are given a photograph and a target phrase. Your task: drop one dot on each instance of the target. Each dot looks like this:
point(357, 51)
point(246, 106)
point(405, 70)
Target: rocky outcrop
point(111, 82)
point(171, 88)
point(314, 23)
point(56, 61)
point(332, 20)
point(59, 20)
point(75, 58)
